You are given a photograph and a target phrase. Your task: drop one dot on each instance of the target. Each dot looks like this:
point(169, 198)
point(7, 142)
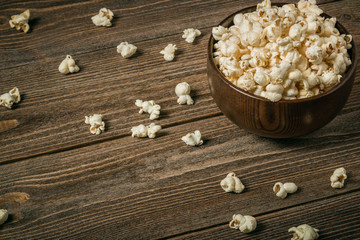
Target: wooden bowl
point(283, 119)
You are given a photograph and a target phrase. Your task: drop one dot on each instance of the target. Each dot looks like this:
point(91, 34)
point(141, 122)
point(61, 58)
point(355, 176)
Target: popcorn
point(20, 21)
point(169, 52)
point(338, 178)
point(145, 131)
point(193, 139)
point(307, 6)
point(126, 49)
point(231, 67)
point(97, 125)
point(282, 190)
point(103, 18)
point(182, 90)
point(246, 82)
point(218, 32)
point(329, 78)
point(190, 34)
point(232, 184)
point(283, 52)
point(8, 99)
point(149, 107)
point(68, 65)
point(245, 224)
point(304, 232)
point(261, 77)
point(273, 92)
point(3, 215)
point(314, 54)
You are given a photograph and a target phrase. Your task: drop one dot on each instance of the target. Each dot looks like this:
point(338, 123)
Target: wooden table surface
point(58, 181)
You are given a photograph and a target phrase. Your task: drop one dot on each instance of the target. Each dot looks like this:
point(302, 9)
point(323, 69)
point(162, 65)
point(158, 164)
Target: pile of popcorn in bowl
point(282, 53)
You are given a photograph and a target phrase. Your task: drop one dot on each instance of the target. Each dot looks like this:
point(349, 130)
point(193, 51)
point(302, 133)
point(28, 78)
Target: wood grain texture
point(275, 225)
point(60, 182)
point(171, 186)
point(59, 28)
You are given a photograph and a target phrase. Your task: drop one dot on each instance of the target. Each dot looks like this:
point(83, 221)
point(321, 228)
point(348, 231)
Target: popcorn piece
point(283, 52)
point(145, 131)
point(329, 78)
point(126, 49)
point(103, 18)
point(169, 52)
point(273, 92)
point(282, 190)
point(139, 131)
point(231, 67)
point(190, 34)
point(314, 54)
point(149, 107)
point(219, 32)
point(68, 65)
point(304, 232)
point(261, 77)
point(3, 215)
point(193, 139)
point(20, 21)
point(8, 99)
point(338, 178)
point(245, 223)
point(182, 90)
point(232, 184)
point(307, 6)
point(246, 82)
point(278, 73)
point(96, 123)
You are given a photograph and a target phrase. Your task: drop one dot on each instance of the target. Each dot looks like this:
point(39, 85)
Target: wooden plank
point(149, 188)
point(65, 27)
point(335, 218)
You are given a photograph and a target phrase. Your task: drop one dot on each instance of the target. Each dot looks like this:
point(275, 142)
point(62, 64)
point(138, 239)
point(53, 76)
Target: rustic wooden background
point(58, 181)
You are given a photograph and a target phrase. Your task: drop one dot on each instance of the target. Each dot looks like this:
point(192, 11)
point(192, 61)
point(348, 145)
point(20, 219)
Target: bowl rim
point(345, 77)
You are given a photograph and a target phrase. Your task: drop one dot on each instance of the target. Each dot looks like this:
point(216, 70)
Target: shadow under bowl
point(285, 118)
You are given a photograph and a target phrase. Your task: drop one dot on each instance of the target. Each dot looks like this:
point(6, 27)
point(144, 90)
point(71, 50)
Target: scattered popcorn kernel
point(8, 99)
point(20, 21)
point(169, 52)
point(68, 65)
point(304, 232)
point(338, 178)
point(149, 107)
point(245, 223)
point(139, 131)
point(190, 34)
point(103, 18)
point(193, 139)
point(285, 52)
point(96, 123)
point(182, 90)
point(281, 190)
point(145, 131)
point(3, 215)
point(126, 49)
point(232, 183)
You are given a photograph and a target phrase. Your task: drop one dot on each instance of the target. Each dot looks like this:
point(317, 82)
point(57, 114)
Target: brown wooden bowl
point(283, 119)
